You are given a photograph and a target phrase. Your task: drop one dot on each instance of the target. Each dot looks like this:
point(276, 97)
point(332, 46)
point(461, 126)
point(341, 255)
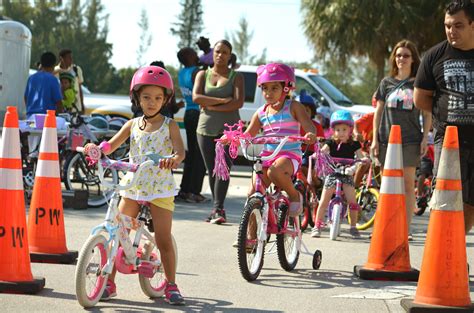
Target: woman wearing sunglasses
point(395, 107)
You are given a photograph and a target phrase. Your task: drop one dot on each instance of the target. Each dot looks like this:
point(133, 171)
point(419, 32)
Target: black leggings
point(219, 187)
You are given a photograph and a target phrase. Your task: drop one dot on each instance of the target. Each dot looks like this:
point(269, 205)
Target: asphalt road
point(209, 278)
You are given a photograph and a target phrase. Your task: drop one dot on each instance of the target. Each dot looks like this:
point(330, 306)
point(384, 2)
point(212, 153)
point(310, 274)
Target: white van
point(316, 85)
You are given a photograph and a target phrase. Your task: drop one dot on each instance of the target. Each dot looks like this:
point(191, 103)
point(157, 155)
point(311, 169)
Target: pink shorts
point(294, 158)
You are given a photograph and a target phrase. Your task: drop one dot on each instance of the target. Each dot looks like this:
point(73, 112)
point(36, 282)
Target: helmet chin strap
point(147, 117)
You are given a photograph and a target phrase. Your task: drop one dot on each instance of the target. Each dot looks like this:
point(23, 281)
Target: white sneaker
point(316, 232)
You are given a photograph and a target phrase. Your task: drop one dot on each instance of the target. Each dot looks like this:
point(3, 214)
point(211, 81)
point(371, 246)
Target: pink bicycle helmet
point(277, 72)
point(152, 75)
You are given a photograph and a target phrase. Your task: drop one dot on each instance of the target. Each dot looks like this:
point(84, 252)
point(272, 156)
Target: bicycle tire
point(96, 243)
point(151, 286)
point(79, 176)
point(335, 221)
point(367, 200)
point(288, 247)
point(250, 258)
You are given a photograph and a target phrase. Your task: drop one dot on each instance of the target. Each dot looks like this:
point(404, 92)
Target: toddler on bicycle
point(342, 145)
point(151, 88)
point(281, 116)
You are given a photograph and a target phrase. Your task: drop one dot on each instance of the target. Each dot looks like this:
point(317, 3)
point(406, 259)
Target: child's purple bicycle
point(110, 243)
point(337, 208)
point(265, 213)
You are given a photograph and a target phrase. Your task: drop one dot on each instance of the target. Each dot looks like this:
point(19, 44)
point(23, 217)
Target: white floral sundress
point(154, 182)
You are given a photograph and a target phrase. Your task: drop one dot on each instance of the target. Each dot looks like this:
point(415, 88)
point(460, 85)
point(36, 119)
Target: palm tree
point(346, 28)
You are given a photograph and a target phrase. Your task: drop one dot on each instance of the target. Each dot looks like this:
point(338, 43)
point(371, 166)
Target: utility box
point(15, 56)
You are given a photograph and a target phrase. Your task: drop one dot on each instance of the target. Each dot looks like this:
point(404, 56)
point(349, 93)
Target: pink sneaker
point(109, 291)
point(172, 295)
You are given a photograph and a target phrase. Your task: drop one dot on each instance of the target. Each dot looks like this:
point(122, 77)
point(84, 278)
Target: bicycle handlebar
point(103, 161)
point(245, 143)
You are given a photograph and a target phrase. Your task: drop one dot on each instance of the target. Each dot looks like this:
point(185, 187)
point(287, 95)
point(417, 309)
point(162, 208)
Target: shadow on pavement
point(159, 305)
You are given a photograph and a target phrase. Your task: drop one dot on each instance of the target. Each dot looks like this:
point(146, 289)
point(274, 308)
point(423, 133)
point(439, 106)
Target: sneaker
point(218, 217)
point(316, 232)
point(180, 197)
point(200, 198)
point(189, 198)
point(109, 291)
point(172, 295)
point(410, 237)
point(354, 233)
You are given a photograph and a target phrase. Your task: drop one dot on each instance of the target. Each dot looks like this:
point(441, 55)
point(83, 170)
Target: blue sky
point(276, 25)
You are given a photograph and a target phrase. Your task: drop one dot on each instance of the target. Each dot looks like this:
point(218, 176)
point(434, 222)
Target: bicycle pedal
point(146, 269)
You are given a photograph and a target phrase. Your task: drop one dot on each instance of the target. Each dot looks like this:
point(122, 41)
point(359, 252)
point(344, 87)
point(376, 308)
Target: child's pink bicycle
point(110, 243)
point(265, 213)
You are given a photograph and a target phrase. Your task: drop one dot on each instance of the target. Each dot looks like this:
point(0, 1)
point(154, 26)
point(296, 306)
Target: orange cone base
point(63, 258)
point(412, 307)
point(368, 274)
point(28, 287)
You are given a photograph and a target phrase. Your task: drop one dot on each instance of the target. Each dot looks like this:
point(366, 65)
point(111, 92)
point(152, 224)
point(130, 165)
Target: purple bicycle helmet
point(277, 72)
point(152, 75)
point(341, 117)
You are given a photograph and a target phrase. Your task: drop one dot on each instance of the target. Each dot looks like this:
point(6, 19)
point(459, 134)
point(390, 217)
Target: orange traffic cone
point(46, 221)
point(444, 280)
point(389, 257)
point(15, 267)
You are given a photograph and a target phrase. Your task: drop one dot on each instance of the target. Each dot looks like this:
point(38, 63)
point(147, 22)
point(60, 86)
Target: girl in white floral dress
point(151, 88)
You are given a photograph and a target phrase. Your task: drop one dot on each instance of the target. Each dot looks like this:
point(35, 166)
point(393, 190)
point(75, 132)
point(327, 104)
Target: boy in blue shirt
point(43, 91)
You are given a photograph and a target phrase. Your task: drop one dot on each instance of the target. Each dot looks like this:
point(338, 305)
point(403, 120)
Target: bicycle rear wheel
point(250, 250)
point(89, 278)
point(367, 200)
point(79, 176)
point(289, 241)
point(154, 287)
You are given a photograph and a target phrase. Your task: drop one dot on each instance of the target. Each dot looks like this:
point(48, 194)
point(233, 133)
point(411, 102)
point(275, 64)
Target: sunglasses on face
point(405, 56)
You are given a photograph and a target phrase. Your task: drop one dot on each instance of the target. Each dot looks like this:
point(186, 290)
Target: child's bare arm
point(120, 137)
point(254, 126)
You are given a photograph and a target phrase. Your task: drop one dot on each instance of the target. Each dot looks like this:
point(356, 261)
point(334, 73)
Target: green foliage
point(240, 40)
point(72, 26)
point(189, 24)
point(145, 37)
point(347, 33)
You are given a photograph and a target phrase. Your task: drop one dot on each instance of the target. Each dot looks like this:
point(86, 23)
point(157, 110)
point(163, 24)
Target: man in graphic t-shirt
point(445, 85)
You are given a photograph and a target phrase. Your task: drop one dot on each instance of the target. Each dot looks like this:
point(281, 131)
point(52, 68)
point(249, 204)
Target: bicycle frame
point(117, 224)
point(271, 200)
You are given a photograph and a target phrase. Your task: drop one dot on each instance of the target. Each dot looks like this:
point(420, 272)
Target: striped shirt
point(281, 123)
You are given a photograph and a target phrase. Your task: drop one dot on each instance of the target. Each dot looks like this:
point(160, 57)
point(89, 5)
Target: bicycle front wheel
point(367, 200)
point(89, 278)
point(288, 240)
point(155, 287)
point(250, 250)
point(79, 176)
point(335, 221)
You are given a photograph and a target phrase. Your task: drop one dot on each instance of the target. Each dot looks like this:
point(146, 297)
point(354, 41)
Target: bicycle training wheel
point(154, 287)
point(335, 221)
point(367, 200)
point(288, 240)
point(79, 176)
point(89, 279)
point(250, 250)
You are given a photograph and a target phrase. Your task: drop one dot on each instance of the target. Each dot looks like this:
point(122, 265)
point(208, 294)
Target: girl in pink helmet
point(151, 88)
point(281, 116)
